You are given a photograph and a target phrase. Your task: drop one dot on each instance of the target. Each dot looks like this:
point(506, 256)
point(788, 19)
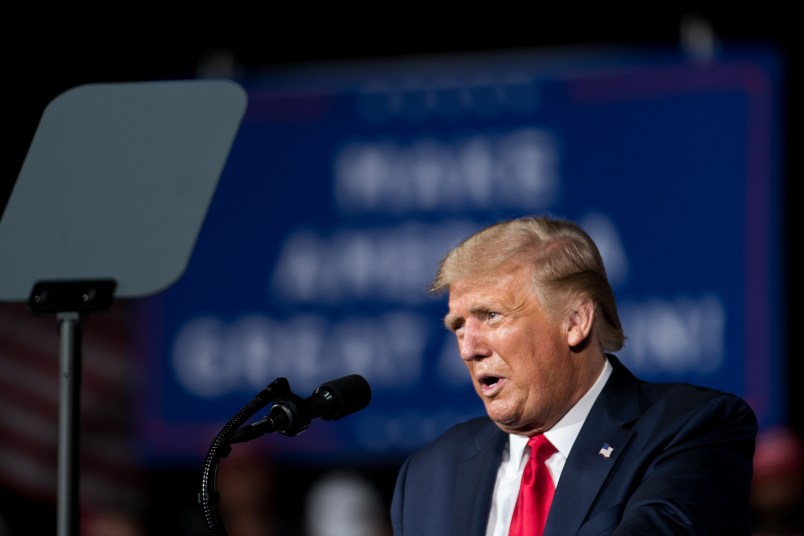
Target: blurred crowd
point(778, 486)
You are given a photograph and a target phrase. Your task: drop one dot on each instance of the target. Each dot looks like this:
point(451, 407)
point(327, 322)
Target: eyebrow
point(450, 320)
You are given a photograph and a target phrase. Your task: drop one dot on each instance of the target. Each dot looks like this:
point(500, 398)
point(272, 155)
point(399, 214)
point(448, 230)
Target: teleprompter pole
point(70, 301)
point(69, 408)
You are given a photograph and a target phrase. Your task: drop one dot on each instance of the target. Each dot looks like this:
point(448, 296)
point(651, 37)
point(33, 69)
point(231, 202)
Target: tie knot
point(540, 448)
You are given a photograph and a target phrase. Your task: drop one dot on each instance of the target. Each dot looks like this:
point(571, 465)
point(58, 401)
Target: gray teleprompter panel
point(116, 184)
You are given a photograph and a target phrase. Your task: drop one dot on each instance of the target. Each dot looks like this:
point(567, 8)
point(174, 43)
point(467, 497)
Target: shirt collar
point(564, 433)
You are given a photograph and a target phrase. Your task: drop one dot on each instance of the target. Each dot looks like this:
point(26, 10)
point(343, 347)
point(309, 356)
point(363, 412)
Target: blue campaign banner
point(348, 182)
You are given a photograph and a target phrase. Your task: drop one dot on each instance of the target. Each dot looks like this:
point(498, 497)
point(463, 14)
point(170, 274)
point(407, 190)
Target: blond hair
point(565, 263)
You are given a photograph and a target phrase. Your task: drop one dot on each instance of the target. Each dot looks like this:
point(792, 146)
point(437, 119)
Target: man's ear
point(581, 319)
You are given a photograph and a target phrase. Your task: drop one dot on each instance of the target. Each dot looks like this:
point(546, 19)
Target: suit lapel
point(474, 482)
point(587, 468)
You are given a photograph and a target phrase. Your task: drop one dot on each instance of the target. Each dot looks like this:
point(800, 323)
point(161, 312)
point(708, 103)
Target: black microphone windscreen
point(349, 393)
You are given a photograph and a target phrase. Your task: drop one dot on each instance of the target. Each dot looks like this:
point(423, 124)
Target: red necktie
point(535, 491)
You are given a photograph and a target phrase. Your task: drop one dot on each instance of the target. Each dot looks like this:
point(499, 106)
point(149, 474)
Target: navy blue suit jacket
point(681, 464)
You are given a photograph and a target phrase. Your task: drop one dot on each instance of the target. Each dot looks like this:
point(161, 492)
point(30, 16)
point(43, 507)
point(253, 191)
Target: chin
point(503, 420)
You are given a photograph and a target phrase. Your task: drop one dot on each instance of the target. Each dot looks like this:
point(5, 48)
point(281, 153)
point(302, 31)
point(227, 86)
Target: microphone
point(330, 401)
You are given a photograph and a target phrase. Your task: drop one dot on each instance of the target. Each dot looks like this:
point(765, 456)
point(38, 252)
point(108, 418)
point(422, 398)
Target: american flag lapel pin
point(606, 450)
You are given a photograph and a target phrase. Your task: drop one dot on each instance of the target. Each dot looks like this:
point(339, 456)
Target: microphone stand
point(209, 497)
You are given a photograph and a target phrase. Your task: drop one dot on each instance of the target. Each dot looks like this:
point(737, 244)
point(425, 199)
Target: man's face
point(518, 356)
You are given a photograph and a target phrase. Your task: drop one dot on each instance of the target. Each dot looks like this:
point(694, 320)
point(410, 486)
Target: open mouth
point(488, 381)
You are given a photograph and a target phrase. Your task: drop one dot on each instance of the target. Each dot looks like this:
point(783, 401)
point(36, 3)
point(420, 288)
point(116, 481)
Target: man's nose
point(472, 343)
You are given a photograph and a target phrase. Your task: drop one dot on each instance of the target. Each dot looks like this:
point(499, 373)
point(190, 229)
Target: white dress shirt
point(562, 436)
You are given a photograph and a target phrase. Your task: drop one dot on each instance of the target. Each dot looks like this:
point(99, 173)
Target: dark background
point(41, 60)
